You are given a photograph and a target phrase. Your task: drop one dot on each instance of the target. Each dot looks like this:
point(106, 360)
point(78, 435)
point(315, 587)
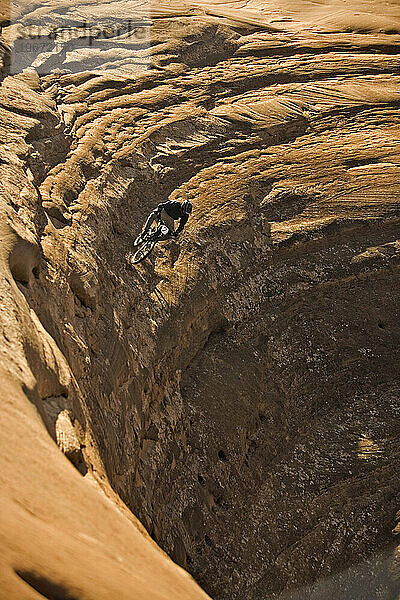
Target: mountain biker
point(168, 213)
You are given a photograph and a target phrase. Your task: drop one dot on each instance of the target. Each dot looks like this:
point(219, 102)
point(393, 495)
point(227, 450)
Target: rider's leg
point(164, 233)
point(168, 221)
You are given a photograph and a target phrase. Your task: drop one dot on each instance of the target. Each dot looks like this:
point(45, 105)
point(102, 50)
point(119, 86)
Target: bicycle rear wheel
point(143, 251)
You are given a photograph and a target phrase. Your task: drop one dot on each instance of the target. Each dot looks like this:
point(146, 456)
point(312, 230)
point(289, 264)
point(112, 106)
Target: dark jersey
point(173, 208)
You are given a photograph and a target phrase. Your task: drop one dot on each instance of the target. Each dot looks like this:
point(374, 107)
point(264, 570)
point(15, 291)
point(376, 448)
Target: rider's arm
point(182, 224)
point(159, 208)
point(156, 214)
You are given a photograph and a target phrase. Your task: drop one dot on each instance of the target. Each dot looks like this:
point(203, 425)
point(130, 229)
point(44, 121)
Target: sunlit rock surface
point(237, 392)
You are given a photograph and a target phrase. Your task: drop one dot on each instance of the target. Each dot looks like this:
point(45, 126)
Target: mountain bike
point(145, 242)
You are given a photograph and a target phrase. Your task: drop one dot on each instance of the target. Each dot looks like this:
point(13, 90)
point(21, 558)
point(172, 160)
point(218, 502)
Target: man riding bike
point(164, 217)
point(168, 213)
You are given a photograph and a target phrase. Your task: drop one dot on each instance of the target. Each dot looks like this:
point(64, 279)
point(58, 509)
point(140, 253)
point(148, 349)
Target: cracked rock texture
point(238, 392)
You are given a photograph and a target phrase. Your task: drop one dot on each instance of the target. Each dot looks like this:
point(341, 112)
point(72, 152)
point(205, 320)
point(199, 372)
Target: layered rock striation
point(238, 391)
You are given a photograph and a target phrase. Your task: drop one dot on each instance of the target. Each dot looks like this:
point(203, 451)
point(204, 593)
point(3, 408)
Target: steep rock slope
point(239, 390)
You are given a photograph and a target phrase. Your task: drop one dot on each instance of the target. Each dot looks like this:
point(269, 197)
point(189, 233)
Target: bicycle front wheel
point(143, 251)
point(138, 241)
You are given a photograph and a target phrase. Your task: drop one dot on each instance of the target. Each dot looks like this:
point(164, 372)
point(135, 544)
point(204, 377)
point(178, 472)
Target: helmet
point(187, 207)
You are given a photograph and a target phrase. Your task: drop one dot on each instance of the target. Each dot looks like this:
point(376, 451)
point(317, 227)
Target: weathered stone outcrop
point(238, 391)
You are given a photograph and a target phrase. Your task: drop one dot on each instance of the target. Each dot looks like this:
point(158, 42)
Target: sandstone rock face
point(238, 391)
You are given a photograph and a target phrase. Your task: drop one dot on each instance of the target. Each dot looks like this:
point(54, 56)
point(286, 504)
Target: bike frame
point(153, 236)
